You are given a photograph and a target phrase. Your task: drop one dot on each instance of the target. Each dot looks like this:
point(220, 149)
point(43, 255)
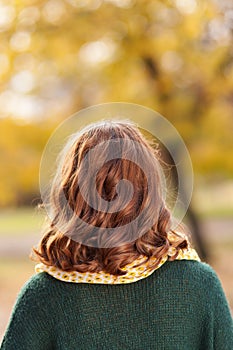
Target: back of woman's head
point(106, 205)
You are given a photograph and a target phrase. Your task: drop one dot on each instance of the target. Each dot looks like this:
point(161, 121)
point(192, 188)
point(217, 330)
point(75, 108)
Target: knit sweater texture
point(180, 306)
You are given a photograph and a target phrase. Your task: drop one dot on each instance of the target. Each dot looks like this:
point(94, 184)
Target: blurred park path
point(214, 229)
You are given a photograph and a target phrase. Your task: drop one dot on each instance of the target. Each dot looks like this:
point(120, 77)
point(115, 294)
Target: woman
point(112, 272)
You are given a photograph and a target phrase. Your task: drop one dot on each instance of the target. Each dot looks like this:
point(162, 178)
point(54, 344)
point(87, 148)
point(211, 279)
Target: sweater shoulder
point(193, 268)
point(40, 284)
point(190, 270)
point(194, 274)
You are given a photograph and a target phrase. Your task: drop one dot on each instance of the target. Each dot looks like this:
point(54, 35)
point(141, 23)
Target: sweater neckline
point(134, 273)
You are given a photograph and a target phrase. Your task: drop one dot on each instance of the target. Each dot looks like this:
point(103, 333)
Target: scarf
point(133, 273)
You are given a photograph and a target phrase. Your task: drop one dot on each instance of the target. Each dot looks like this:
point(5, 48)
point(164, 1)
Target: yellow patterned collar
point(134, 273)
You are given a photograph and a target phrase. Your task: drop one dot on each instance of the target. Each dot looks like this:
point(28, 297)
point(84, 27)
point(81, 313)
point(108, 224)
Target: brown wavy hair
point(59, 246)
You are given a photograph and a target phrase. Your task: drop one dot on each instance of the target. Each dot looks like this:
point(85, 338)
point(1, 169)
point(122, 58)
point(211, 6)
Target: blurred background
point(59, 56)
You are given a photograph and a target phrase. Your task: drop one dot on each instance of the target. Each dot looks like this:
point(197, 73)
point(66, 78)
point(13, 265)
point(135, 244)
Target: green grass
point(221, 213)
point(20, 221)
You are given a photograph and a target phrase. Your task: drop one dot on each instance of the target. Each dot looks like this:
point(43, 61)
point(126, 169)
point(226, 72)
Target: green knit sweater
point(180, 306)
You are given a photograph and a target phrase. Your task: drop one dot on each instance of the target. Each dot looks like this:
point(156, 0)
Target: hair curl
point(60, 250)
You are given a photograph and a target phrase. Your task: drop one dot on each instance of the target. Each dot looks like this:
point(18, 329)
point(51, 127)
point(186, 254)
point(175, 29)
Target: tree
point(60, 56)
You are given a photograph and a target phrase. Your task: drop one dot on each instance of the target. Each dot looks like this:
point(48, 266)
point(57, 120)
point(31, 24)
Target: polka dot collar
point(134, 273)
